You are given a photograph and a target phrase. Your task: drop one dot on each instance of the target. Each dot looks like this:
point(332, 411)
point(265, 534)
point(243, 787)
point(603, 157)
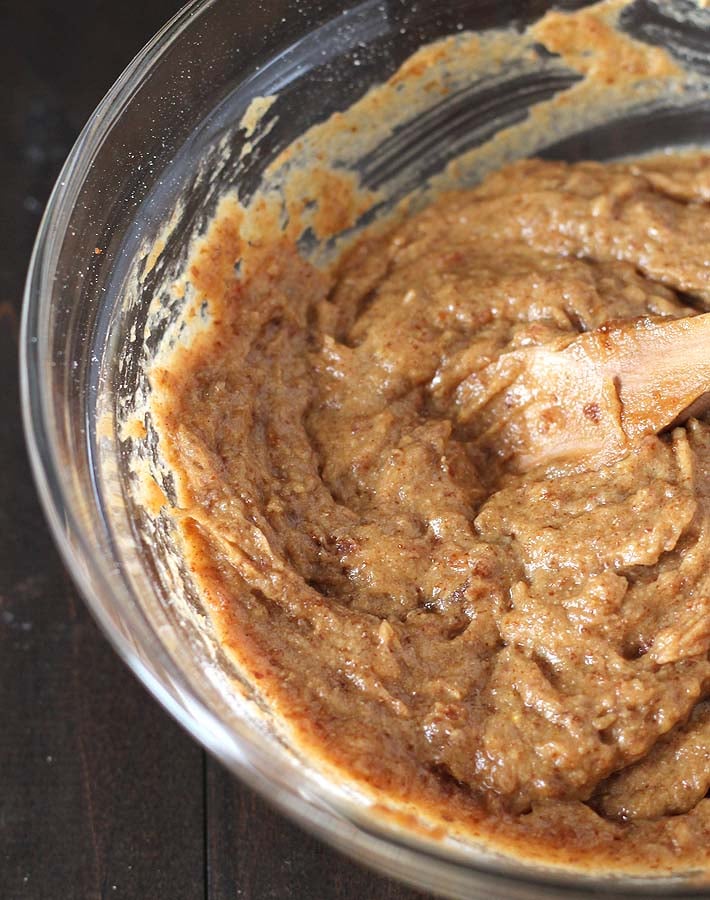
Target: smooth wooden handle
point(586, 402)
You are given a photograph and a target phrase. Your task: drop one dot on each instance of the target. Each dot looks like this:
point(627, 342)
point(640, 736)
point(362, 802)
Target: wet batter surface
point(521, 654)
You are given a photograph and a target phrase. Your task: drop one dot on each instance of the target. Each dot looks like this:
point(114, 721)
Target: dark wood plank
point(253, 853)
point(101, 794)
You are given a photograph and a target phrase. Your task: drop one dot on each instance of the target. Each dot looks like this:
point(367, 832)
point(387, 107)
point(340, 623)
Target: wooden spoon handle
point(661, 369)
point(588, 402)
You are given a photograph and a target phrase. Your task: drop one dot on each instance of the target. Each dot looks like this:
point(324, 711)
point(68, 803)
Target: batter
point(521, 654)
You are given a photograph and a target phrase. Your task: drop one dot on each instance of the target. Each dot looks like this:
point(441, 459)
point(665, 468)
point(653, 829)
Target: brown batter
point(524, 656)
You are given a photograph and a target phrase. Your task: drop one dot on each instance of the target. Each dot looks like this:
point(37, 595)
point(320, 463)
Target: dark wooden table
point(101, 793)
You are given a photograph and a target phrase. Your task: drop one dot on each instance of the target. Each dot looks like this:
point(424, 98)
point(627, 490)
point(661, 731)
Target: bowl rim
point(37, 416)
point(91, 575)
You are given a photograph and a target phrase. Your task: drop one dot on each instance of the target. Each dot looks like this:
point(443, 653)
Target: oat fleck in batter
point(522, 655)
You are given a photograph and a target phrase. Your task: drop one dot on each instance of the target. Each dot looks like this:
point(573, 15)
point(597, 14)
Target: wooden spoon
point(589, 401)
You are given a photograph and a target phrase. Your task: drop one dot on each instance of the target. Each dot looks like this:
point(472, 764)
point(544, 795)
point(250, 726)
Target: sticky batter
point(523, 656)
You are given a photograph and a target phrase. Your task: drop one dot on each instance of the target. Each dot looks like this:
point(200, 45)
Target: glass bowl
point(155, 148)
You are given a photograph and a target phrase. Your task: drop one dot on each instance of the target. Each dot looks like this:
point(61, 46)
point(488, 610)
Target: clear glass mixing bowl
point(148, 145)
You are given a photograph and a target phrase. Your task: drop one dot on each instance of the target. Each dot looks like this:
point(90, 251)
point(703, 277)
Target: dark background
point(101, 793)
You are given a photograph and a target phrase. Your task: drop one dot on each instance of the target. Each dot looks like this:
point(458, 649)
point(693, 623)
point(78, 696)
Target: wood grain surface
point(101, 793)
